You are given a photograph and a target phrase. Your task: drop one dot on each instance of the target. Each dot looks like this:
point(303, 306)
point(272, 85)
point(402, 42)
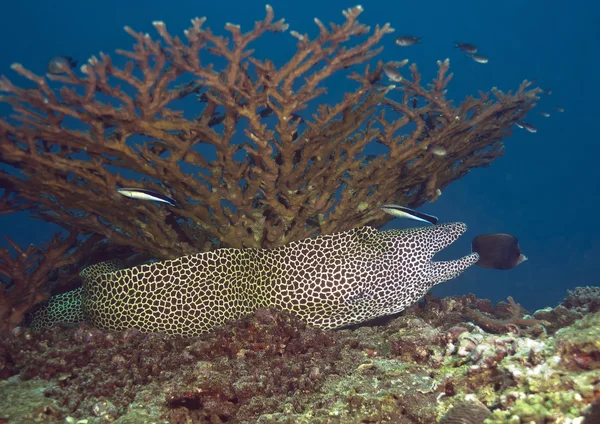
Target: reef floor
point(452, 360)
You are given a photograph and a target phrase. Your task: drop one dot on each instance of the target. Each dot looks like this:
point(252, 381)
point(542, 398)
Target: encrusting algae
point(270, 367)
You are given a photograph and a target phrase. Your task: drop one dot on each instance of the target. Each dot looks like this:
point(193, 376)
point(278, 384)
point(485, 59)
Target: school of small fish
point(391, 70)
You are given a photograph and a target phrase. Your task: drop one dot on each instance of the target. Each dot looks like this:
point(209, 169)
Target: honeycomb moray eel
point(329, 281)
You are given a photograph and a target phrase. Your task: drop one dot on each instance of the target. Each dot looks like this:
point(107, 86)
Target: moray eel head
point(411, 254)
point(438, 238)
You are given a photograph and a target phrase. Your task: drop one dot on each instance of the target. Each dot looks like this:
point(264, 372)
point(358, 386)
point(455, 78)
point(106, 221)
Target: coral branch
point(23, 278)
point(515, 320)
point(259, 165)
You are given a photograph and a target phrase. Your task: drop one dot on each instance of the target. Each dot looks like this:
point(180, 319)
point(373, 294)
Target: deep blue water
point(544, 190)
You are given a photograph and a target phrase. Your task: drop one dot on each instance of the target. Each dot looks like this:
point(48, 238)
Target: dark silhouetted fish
point(266, 112)
point(407, 40)
point(404, 212)
point(498, 251)
point(59, 64)
point(467, 47)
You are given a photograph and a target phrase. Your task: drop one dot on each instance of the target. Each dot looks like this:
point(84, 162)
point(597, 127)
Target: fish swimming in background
point(58, 65)
point(404, 212)
point(144, 194)
point(392, 73)
point(479, 58)
point(407, 40)
point(498, 251)
point(545, 114)
point(436, 149)
point(466, 47)
point(526, 126)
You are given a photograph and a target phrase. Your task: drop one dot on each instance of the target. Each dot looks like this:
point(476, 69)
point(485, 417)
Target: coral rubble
point(272, 368)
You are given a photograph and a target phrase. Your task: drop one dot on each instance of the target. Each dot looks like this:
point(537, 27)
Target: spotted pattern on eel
point(329, 281)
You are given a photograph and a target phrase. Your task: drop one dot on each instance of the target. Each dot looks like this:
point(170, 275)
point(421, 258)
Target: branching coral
point(23, 278)
point(27, 276)
point(73, 139)
point(515, 320)
point(264, 188)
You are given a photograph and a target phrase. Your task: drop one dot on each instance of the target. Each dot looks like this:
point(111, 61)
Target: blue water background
point(544, 190)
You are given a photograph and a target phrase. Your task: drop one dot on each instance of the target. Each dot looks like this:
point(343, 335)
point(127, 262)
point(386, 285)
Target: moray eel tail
point(66, 308)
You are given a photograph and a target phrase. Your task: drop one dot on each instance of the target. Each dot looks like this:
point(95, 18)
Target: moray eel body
point(329, 281)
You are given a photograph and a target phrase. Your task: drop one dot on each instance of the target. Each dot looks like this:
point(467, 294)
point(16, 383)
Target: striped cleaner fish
point(144, 194)
point(403, 212)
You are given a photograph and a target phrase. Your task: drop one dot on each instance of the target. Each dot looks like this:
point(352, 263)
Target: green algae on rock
point(270, 367)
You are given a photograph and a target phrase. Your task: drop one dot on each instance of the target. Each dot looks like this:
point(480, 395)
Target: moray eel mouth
point(442, 236)
point(446, 234)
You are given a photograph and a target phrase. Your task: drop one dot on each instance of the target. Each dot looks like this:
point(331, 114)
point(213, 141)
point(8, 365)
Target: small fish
point(547, 91)
point(479, 58)
point(216, 119)
point(404, 212)
point(559, 109)
point(144, 194)
point(526, 126)
point(59, 64)
point(436, 149)
point(466, 47)
point(392, 73)
point(266, 112)
point(407, 40)
point(498, 251)
point(545, 114)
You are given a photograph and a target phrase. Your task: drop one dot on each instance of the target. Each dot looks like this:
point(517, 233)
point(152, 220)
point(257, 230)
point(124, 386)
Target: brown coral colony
point(282, 167)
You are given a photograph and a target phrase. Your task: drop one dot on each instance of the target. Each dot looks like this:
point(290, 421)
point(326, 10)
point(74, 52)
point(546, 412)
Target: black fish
point(407, 40)
point(266, 112)
point(466, 47)
point(498, 251)
point(58, 65)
